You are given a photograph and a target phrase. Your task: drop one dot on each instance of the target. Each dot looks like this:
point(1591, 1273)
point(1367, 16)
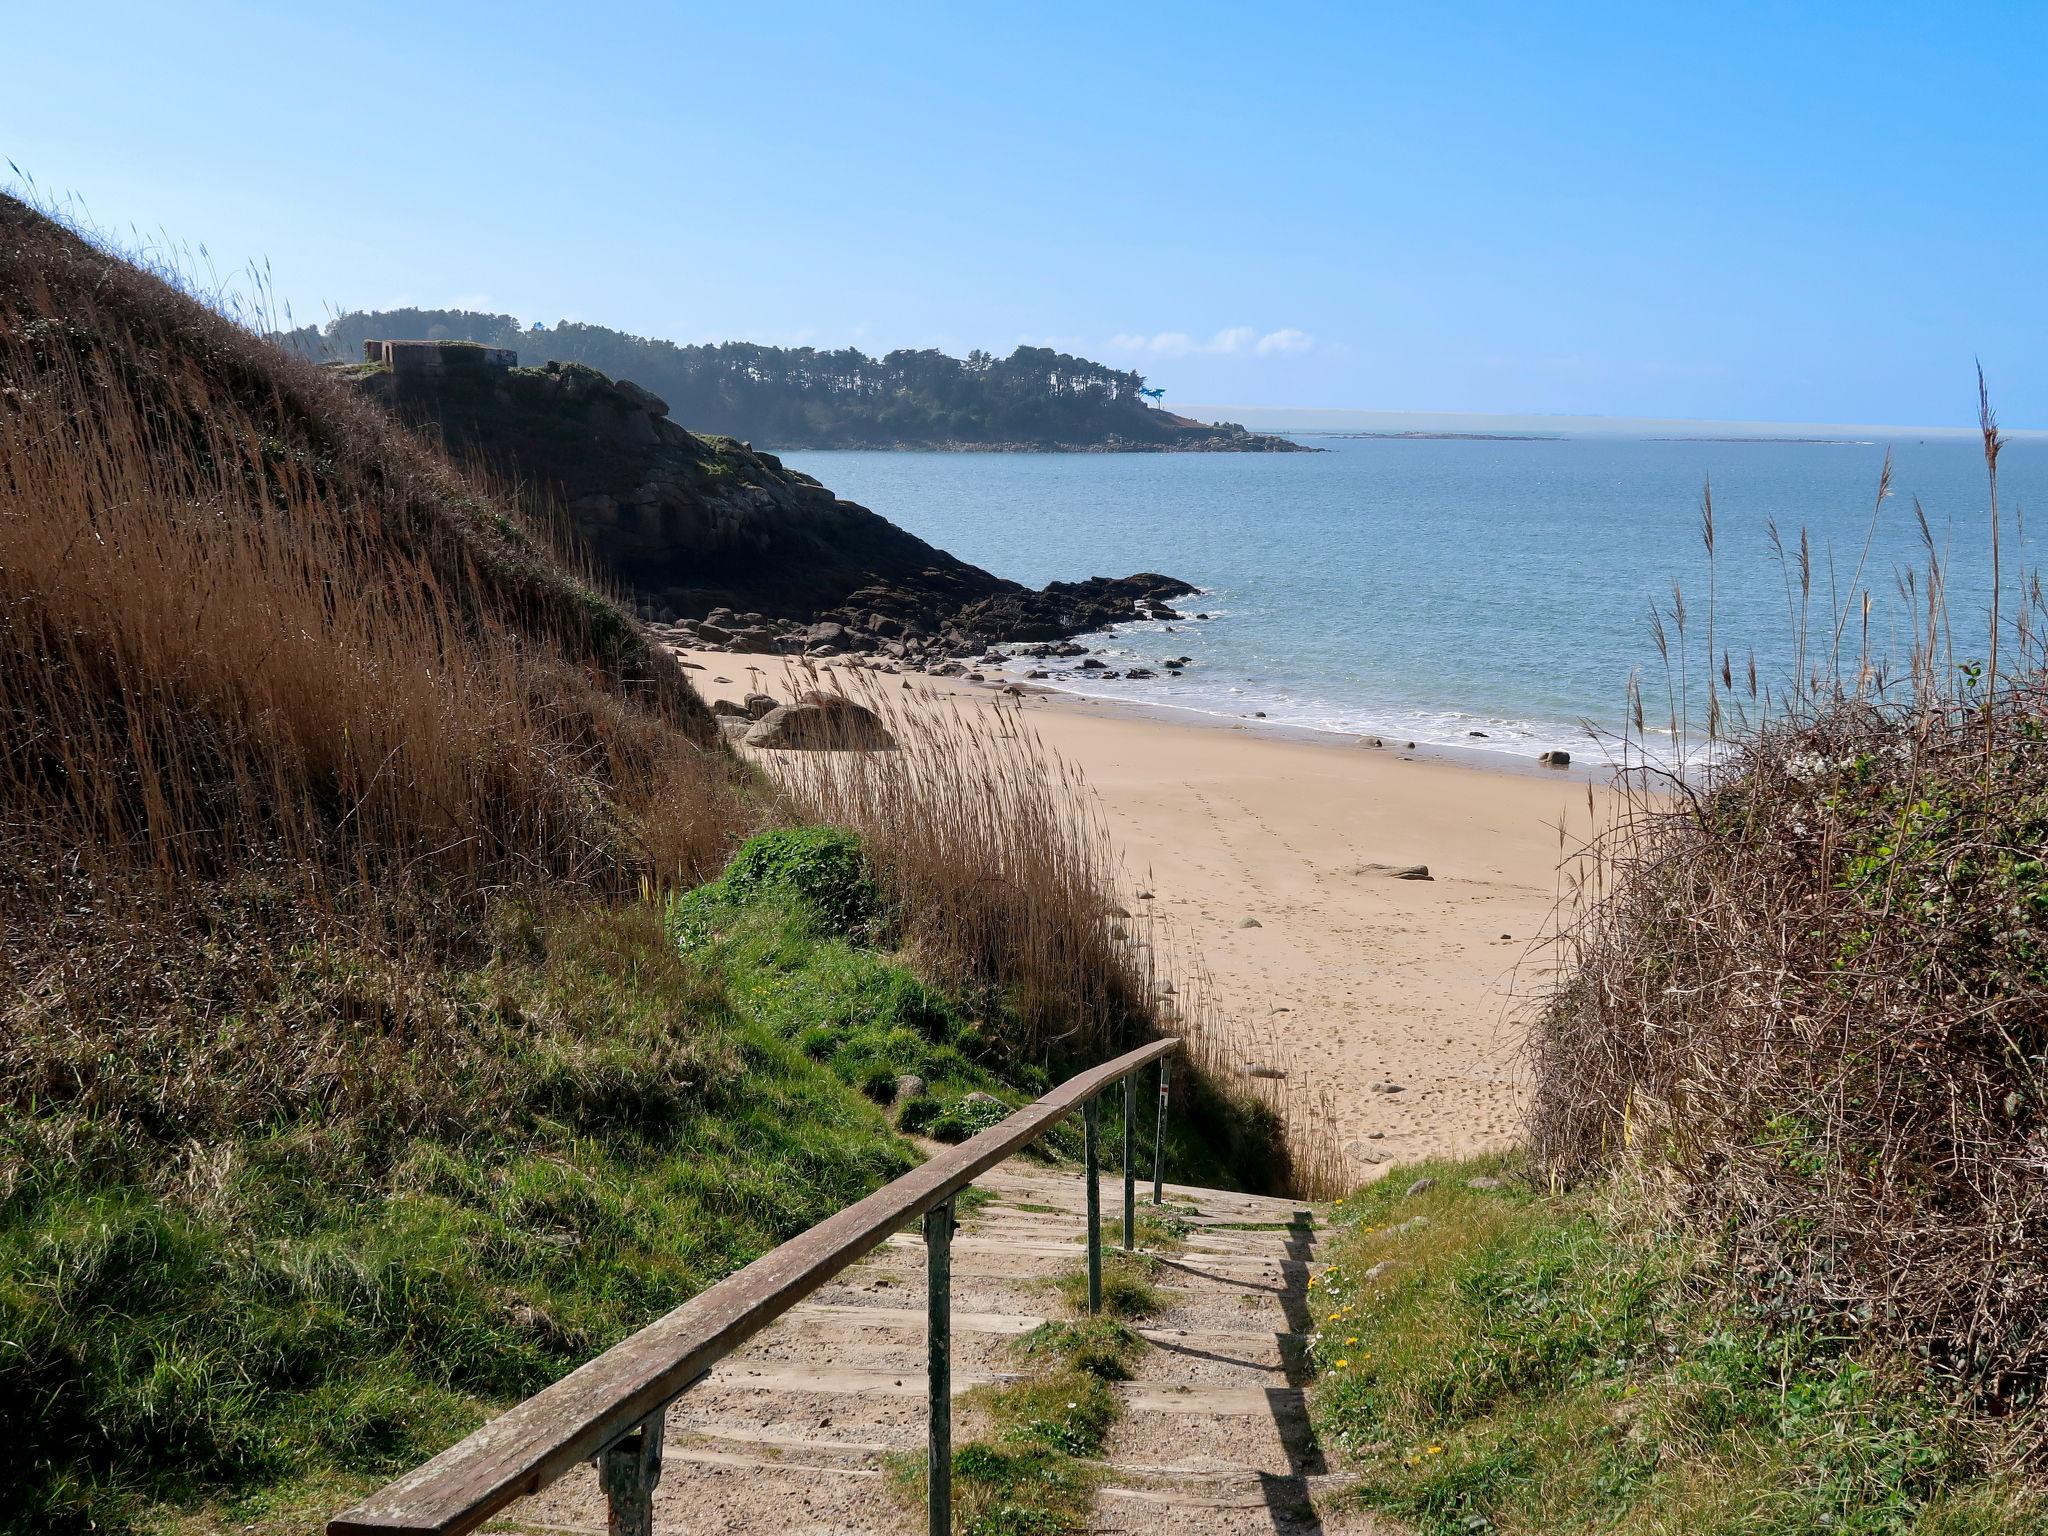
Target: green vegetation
point(1029, 1471)
point(778, 934)
point(799, 397)
point(1496, 1359)
point(1127, 1288)
point(307, 1306)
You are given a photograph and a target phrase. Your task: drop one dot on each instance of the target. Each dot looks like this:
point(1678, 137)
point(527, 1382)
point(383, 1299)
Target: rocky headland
point(723, 545)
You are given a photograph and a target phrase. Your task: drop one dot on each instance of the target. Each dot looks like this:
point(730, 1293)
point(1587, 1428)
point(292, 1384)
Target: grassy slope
point(314, 1305)
point(1495, 1359)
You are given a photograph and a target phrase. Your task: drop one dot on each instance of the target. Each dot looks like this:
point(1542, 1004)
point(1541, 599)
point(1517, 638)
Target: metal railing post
point(1130, 1159)
point(1091, 1122)
point(938, 1243)
point(1159, 1136)
point(628, 1472)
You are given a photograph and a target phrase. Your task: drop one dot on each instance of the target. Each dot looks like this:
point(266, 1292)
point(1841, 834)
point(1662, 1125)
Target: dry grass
point(286, 707)
point(1008, 886)
point(1812, 984)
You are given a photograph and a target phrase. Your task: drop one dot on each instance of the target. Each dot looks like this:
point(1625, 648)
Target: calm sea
point(1428, 589)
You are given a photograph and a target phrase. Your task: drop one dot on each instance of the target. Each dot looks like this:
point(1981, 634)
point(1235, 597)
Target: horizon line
point(1315, 418)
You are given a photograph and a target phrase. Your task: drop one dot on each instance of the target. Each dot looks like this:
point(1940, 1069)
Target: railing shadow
point(1288, 1504)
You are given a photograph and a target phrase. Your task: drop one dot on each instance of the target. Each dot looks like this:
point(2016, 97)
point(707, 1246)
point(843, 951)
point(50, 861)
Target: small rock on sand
point(1260, 1069)
point(1395, 871)
point(1249, 922)
point(1386, 1088)
point(1556, 759)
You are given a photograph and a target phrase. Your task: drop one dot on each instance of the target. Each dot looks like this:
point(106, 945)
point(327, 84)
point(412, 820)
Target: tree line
point(801, 397)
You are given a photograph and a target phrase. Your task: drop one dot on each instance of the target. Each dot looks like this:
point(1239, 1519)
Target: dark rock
point(1556, 759)
point(1140, 672)
point(728, 708)
point(760, 704)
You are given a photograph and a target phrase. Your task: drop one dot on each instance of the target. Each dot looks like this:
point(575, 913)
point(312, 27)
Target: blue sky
point(1819, 213)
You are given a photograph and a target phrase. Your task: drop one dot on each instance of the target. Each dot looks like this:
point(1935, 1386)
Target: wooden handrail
point(605, 1400)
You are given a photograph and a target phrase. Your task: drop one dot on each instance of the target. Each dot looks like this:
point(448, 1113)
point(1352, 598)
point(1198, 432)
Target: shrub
point(1813, 984)
point(821, 870)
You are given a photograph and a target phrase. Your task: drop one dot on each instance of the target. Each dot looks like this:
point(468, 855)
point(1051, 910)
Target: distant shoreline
point(1252, 443)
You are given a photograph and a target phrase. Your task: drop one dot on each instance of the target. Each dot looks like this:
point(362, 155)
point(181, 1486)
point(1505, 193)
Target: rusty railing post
point(1159, 1136)
point(938, 1244)
point(1091, 1124)
point(1130, 1162)
point(628, 1472)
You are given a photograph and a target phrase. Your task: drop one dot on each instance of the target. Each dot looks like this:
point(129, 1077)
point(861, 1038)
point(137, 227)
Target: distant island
point(1035, 399)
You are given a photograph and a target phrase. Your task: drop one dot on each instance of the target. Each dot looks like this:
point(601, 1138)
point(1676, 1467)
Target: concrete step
point(804, 1429)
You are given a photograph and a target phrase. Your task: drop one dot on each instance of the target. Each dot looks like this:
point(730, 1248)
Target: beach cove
point(1360, 978)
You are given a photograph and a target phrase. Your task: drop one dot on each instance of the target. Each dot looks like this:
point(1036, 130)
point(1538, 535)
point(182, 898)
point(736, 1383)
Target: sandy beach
point(1364, 979)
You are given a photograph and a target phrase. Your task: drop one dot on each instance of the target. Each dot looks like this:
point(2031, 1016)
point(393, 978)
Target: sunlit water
point(1428, 589)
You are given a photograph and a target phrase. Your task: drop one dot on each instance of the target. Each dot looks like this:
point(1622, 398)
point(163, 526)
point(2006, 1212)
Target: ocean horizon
point(1462, 592)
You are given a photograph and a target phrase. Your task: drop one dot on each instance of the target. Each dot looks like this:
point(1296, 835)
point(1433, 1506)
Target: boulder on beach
point(759, 704)
point(727, 707)
point(1556, 759)
point(822, 722)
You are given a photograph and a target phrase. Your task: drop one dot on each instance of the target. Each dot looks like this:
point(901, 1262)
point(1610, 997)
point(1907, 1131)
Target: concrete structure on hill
point(418, 359)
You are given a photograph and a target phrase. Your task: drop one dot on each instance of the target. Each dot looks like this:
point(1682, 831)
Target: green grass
point(1032, 1470)
point(1161, 1232)
point(302, 1302)
point(256, 1321)
point(1127, 1288)
point(1529, 1363)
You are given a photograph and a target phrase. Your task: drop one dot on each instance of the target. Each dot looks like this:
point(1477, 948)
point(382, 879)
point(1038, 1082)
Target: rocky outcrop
point(741, 551)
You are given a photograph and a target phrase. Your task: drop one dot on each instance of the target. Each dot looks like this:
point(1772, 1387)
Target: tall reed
point(1007, 884)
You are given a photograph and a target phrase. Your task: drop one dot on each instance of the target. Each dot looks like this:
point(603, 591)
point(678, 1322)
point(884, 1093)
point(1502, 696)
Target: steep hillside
point(799, 397)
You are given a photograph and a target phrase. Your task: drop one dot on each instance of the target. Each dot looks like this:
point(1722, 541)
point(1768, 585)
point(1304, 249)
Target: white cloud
point(1288, 340)
point(1230, 342)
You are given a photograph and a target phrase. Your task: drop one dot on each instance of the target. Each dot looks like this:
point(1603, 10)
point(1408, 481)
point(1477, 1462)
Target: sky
point(1773, 213)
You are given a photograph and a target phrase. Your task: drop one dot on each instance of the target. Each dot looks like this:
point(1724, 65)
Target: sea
point(1486, 594)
